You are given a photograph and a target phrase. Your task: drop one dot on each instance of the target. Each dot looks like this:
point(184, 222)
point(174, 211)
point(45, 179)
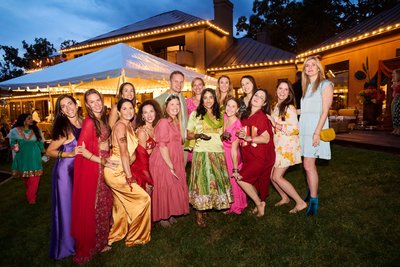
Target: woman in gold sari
point(131, 208)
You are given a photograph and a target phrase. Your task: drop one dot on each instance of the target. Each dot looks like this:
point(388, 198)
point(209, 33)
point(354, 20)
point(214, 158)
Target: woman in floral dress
point(287, 146)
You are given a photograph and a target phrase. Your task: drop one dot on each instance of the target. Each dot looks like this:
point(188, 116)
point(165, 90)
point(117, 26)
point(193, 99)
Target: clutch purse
point(327, 135)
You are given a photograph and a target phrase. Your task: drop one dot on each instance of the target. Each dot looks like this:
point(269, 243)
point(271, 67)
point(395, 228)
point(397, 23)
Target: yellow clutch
point(327, 135)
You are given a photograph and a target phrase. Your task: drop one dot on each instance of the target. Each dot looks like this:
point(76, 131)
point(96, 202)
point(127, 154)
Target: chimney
point(223, 15)
point(264, 36)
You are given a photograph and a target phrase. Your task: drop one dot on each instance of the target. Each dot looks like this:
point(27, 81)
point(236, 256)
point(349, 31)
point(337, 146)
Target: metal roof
point(248, 51)
point(161, 20)
point(381, 20)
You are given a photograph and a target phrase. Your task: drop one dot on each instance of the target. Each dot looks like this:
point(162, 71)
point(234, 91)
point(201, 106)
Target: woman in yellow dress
point(131, 207)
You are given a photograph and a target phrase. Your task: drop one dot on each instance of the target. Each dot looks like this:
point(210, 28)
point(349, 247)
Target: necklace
point(26, 136)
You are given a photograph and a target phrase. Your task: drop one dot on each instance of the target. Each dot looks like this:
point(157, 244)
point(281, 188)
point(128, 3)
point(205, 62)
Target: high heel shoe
point(312, 207)
point(307, 198)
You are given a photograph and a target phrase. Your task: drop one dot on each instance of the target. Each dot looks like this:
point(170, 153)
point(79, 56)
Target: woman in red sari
point(147, 117)
point(92, 199)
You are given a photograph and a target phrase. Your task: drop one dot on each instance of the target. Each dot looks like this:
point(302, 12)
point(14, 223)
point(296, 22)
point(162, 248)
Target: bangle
point(59, 154)
point(90, 156)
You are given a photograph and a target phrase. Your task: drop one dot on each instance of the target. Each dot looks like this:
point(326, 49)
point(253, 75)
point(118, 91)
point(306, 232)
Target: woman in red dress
point(91, 198)
point(258, 151)
point(147, 117)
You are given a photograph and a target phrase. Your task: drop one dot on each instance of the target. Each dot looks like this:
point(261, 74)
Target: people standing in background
point(287, 146)
point(192, 103)
point(147, 118)
point(209, 186)
point(396, 101)
point(249, 87)
point(315, 104)
point(126, 91)
point(298, 92)
point(131, 208)
point(63, 147)
point(224, 89)
point(35, 115)
point(233, 158)
point(176, 83)
point(170, 192)
point(26, 139)
point(258, 152)
point(92, 199)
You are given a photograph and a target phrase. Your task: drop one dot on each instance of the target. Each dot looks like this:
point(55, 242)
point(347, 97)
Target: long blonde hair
point(305, 80)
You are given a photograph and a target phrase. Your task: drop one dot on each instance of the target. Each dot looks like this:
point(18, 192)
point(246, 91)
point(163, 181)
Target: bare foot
point(254, 211)
point(172, 220)
point(282, 202)
point(261, 209)
point(298, 207)
point(165, 224)
point(106, 248)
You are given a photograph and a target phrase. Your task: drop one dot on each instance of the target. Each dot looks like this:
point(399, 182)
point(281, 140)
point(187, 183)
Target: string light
point(253, 65)
point(145, 34)
point(363, 36)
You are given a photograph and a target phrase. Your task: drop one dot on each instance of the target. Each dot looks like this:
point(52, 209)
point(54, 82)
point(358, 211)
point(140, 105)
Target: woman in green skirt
point(209, 186)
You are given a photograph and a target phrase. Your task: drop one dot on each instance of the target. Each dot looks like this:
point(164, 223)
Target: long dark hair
point(61, 125)
point(290, 100)
point(139, 118)
point(266, 108)
point(201, 110)
point(20, 123)
point(121, 88)
point(252, 80)
point(91, 115)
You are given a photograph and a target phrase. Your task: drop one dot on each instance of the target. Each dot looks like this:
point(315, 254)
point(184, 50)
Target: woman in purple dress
point(66, 130)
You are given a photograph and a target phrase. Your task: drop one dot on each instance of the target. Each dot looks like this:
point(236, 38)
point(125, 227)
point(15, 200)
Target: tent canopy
point(106, 69)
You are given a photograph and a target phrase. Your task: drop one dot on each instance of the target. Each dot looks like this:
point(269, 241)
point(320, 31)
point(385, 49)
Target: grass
point(357, 225)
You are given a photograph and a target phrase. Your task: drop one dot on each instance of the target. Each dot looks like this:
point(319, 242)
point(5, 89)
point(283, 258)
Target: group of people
point(116, 176)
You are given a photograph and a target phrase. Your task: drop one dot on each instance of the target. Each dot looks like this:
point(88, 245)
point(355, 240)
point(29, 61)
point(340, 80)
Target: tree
point(13, 65)
point(297, 26)
point(67, 43)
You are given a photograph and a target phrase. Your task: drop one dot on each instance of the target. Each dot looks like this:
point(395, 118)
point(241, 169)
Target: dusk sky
point(59, 20)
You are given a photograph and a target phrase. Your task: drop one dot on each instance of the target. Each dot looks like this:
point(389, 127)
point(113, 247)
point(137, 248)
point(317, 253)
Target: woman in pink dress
point(192, 103)
point(148, 116)
point(232, 154)
point(170, 193)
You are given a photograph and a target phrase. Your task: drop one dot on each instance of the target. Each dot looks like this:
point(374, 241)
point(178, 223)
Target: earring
point(143, 118)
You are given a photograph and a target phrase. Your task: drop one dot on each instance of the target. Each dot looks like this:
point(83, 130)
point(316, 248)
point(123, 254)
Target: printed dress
point(209, 185)
point(287, 145)
point(311, 110)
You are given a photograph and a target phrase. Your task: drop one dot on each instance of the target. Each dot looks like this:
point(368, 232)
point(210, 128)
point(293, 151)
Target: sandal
point(200, 219)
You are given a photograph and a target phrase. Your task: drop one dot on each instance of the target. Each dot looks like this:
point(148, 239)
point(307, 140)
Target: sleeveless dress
point(240, 198)
point(311, 109)
point(131, 207)
point(140, 168)
point(61, 242)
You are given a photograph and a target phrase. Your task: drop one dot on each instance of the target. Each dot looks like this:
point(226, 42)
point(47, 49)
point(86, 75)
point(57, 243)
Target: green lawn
point(357, 225)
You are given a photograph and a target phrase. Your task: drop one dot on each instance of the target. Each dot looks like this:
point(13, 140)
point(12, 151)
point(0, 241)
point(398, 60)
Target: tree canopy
point(299, 25)
point(13, 65)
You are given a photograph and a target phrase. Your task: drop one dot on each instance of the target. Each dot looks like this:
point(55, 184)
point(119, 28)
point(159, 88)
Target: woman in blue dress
point(66, 130)
point(315, 103)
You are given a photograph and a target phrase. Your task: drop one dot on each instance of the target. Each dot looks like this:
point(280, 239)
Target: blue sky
point(59, 20)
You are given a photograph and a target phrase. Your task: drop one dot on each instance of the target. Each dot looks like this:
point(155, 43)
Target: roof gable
point(246, 51)
point(161, 20)
point(383, 22)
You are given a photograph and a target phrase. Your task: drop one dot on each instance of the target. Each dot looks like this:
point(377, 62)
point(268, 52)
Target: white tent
point(105, 70)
